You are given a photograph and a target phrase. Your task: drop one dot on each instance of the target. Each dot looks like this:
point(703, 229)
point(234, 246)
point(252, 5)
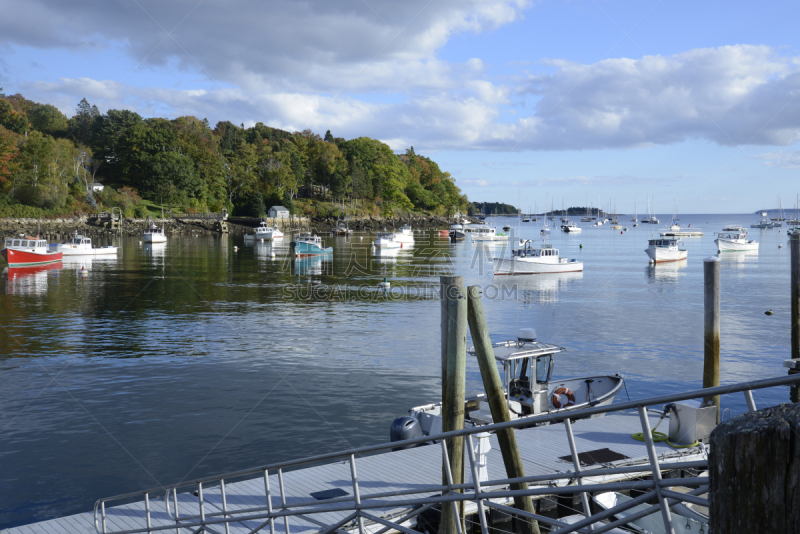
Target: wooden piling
point(794, 245)
point(754, 472)
point(493, 386)
point(711, 271)
point(454, 356)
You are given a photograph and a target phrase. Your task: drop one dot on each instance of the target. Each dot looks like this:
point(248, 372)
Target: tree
point(328, 137)
point(9, 156)
point(11, 119)
point(48, 119)
point(85, 115)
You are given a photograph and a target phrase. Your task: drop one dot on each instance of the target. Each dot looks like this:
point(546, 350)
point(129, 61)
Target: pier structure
point(379, 489)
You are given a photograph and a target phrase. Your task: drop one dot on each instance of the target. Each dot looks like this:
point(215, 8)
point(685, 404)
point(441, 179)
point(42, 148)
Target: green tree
point(49, 120)
point(9, 156)
point(12, 119)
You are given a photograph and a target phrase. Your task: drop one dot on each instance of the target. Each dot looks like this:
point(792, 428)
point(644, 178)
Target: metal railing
point(419, 499)
point(222, 216)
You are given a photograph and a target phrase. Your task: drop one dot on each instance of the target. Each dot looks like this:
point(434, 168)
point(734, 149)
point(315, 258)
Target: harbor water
point(208, 355)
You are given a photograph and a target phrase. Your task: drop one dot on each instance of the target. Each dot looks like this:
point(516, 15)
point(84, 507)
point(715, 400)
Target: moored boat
point(665, 249)
point(307, 244)
point(82, 246)
point(263, 232)
point(154, 234)
point(528, 385)
point(21, 251)
point(406, 234)
point(734, 241)
point(385, 240)
point(529, 260)
point(571, 228)
point(488, 234)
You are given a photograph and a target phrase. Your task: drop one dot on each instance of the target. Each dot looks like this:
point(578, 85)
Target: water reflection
point(533, 288)
point(665, 272)
point(157, 251)
point(86, 263)
point(30, 280)
point(317, 265)
point(737, 259)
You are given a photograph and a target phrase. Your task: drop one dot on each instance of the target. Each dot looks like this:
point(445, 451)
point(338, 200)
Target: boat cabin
point(386, 235)
point(154, 229)
point(663, 242)
point(545, 250)
point(484, 230)
point(83, 242)
point(308, 237)
point(732, 236)
point(527, 370)
point(27, 243)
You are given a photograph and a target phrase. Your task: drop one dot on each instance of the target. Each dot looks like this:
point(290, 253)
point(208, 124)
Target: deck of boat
point(540, 448)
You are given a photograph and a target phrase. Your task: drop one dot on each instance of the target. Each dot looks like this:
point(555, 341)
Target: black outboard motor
point(404, 428)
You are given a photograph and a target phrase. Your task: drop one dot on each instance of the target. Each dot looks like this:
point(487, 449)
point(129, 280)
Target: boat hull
point(302, 249)
point(21, 258)
point(664, 255)
point(154, 238)
point(387, 243)
point(68, 250)
point(729, 245)
point(509, 266)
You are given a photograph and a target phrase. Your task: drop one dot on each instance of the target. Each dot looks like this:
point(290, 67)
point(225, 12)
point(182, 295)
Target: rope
point(660, 436)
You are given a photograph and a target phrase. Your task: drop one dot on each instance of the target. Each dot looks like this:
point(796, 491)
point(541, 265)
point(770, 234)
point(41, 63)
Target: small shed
point(96, 188)
point(278, 212)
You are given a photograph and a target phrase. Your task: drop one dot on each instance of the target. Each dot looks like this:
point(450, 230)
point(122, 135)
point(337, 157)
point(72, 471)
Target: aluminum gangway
point(206, 504)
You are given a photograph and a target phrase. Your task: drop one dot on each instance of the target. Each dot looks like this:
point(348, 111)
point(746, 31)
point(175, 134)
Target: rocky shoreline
point(57, 230)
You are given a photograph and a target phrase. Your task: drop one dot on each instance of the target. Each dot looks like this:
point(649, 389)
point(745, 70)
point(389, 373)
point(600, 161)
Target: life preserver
point(563, 391)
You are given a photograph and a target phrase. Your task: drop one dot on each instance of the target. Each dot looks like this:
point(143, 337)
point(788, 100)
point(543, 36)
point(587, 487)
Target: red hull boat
point(28, 251)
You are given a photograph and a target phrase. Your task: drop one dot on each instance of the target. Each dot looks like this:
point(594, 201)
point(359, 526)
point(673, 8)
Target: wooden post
point(454, 360)
point(711, 271)
point(493, 386)
point(754, 471)
point(794, 363)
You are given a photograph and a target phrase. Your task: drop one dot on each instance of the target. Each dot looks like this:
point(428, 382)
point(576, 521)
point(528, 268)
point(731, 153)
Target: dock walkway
point(541, 449)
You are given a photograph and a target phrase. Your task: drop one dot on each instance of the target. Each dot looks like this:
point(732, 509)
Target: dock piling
point(794, 364)
point(454, 352)
point(711, 272)
point(496, 398)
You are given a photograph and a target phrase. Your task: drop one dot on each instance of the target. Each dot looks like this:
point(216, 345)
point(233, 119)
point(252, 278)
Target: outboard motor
point(404, 428)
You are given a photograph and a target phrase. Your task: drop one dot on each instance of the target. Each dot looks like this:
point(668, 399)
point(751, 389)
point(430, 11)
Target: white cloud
point(789, 159)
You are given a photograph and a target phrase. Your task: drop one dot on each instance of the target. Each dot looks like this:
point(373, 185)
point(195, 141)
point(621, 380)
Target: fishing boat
point(571, 228)
point(82, 246)
point(528, 386)
point(488, 234)
point(22, 251)
point(734, 241)
point(307, 244)
point(406, 234)
point(154, 234)
point(733, 228)
point(457, 232)
point(385, 240)
point(694, 518)
point(665, 249)
point(528, 259)
point(342, 230)
point(263, 232)
point(764, 223)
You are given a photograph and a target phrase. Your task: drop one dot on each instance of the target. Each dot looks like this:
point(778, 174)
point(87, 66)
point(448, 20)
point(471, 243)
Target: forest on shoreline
point(48, 163)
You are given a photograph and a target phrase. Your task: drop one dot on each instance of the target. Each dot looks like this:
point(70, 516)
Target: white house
point(96, 188)
point(278, 212)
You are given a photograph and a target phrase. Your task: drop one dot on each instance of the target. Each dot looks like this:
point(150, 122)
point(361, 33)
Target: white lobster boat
point(387, 240)
point(734, 241)
point(571, 228)
point(82, 246)
point(529, 389)
point(263, 232)
point(154, 234)
point(405, 235)
point(665, 249)
point(488, 234)
point(529, 260)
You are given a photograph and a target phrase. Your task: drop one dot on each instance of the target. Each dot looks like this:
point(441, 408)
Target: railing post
point(794, 363)
point(269, 502)
point(449, 479)
point(653, 456)
point(751, 404)
point(175, 501)
point(202, 504)
point(576, 462)
point(103, 514)
point(283, 500)
point(224, 505)
point(147, 509)
point(476, 483)
point(356, 494)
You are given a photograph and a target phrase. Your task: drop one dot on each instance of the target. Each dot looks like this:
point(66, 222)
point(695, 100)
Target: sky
point(687, 104)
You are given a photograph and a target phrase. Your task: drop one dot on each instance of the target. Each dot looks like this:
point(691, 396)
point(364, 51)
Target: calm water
point(194, 359)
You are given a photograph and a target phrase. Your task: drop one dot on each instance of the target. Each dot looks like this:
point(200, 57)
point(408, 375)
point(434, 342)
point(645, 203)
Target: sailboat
point(778, 221)
point(545, 229)
point(588, 217)
point(651, 219)
point(527, 218)
point(635, 213)
point(795, 220)
point(615, 225)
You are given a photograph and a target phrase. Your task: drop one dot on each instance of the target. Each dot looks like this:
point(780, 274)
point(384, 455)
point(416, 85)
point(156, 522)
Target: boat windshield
point(544, 368)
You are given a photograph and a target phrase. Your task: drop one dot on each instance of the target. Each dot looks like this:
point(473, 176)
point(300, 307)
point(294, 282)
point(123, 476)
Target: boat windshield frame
point(527, 349)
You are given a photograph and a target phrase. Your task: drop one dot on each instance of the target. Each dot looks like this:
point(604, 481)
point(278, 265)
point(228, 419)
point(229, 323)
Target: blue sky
point(616, 100)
